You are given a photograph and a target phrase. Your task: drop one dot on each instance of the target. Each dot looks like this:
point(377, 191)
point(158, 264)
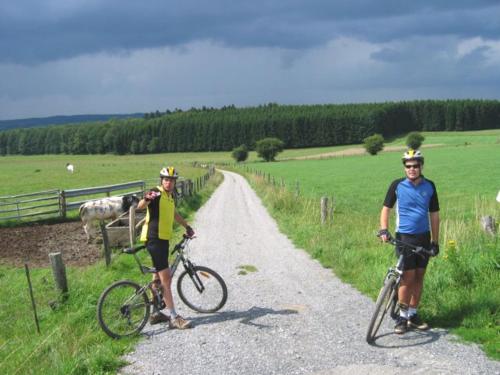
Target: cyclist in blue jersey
point(417, 222)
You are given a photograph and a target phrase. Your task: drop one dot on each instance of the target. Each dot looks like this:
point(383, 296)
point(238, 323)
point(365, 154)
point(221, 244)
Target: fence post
point(31, 296)
point(105, 243)
point(297, 188)
point(59, 272)
point(62, 204)
point(488, 224)
point(324, 209)
point(131, 225)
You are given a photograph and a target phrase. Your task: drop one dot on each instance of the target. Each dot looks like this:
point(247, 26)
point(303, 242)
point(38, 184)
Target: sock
point(171, 312)
point(403, 310)
point(412, 311)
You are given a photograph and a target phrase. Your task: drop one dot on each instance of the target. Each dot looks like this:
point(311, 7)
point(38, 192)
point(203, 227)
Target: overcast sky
point(64, 57)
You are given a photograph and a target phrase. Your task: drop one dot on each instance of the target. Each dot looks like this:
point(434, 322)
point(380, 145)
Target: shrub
point(268, 148)
point(374, 144)
point(240, 153)
point(414, 140)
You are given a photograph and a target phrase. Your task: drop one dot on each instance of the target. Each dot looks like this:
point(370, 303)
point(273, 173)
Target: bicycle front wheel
point(384, 303)
point(123, 309)
point(202, 289)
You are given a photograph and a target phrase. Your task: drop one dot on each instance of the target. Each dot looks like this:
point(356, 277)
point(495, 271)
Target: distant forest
point(222, 129)
point(60, 120)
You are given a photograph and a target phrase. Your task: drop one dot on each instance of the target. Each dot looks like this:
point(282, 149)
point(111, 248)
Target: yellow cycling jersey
point(159, 217)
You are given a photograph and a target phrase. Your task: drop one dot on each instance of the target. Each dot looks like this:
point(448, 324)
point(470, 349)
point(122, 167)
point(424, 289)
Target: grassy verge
point(462, 290)
point(71, 342)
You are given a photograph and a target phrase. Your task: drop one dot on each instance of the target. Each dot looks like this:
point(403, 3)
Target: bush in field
point(240, 153)
point(374, 144)
point(268, 148)
point(414, 140)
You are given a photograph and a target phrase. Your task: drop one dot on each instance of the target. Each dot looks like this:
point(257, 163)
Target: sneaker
point(158, 317)
point(401, 325)
point(180, 323)
point(416, 323)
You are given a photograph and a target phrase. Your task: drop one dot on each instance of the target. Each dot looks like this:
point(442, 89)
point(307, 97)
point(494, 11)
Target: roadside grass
point(462, 290)
point(71, 341)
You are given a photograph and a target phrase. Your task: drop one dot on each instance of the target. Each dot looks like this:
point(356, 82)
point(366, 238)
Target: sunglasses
point(414, 166)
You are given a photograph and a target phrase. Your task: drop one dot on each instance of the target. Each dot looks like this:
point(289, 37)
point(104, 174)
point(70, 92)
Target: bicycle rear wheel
point(123, 309)
point(384, 303)
point(202, 289)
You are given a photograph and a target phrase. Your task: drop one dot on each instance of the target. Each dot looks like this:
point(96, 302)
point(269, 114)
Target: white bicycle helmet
point(413, 155)
point(169, 172)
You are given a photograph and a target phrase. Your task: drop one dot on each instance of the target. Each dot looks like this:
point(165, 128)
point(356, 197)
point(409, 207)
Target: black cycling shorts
point(158, 249)
point(411, 260)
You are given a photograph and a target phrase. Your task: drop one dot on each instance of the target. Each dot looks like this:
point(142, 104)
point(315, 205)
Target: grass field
point(462, 289)
point(71, 342)
point(26, 174)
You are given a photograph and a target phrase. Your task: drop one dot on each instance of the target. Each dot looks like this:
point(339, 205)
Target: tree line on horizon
point(223, 129)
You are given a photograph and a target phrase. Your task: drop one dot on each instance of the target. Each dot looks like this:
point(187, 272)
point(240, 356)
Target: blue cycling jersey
point(413, 204)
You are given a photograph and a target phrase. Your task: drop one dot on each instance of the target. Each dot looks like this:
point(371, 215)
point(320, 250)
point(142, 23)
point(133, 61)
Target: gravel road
point(290, 316)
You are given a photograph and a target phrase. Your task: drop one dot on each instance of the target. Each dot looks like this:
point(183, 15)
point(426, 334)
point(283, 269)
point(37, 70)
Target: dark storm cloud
point(34, 31)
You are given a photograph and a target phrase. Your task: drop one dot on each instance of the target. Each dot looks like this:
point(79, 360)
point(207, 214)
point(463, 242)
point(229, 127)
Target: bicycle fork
point(194, 276)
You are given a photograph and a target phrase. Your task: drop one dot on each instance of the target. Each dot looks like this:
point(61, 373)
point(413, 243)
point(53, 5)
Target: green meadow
point(462, 290)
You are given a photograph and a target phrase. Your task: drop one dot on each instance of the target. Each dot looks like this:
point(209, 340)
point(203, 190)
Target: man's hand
point(384, 235)
point(189, 231)
point(150, 195)
point(434, 249)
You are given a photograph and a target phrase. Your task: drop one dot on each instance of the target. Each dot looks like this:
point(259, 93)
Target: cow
point(70, 167)
point(106, 208)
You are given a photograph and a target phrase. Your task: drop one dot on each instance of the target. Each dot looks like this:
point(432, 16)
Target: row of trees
point(375, 143)
point(224, 129)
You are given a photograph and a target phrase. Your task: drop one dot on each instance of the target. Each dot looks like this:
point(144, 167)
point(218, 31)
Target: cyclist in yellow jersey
point(157, 232)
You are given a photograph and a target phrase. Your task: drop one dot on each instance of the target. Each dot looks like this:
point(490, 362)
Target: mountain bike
point(387, 300)
point(124, 307)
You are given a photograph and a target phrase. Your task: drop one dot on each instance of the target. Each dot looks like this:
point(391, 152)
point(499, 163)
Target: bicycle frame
point(179, 248)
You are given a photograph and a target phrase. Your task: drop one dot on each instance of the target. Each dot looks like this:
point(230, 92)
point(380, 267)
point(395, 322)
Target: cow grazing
point(70, 167)
point(102, 209)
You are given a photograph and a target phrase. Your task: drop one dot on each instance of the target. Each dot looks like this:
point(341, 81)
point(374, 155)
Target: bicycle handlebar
point(414, 248)
point(133, 249)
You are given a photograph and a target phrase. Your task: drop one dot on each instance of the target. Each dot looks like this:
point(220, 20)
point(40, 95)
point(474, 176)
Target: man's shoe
point(158, 317)
point(416, 323)
point(401, 326)
point(180, 323)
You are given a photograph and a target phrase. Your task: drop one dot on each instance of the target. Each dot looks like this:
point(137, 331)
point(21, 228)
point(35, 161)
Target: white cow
point(70, 167)
point(102, 209)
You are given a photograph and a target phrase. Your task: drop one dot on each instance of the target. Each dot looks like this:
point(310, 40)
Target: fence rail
point(64, 200)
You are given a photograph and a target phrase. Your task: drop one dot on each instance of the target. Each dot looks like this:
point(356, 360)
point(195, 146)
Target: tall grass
point(71, 342)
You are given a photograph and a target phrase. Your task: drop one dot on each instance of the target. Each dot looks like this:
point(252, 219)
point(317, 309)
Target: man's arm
point(143, 203)
point(434, 216)
point(384, 221)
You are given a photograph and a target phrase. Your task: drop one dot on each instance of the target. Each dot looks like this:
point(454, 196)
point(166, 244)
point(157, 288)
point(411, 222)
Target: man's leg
point(414, 319)
point(404, 298)
point(166, 281)
point(176, 321)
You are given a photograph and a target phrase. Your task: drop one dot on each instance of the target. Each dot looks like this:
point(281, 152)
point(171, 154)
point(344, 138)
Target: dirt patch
point(33, 244)
point(354, 151)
